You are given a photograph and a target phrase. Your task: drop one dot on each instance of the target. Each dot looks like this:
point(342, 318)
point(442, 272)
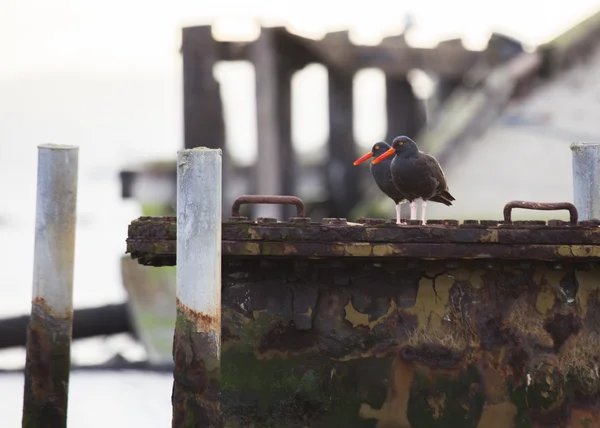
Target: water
point(98, 400)
point(116, 120)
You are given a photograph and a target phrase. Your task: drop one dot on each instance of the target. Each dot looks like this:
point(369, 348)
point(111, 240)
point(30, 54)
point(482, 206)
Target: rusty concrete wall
point(391, 344)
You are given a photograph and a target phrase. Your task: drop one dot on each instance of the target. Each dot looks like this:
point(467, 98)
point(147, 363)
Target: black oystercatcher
point(417, 175)
point(383, 178)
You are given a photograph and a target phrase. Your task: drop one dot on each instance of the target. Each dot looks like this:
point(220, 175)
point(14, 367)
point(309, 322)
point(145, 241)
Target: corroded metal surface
point(152, 240)
point(47, 367)
point(196, 395)
point(267, 199)
point(543, 206)
point(352, 343)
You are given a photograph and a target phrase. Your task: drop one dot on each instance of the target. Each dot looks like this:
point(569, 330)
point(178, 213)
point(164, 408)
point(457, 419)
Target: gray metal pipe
point(586, 179)
point(197, 339)
point(49, 333)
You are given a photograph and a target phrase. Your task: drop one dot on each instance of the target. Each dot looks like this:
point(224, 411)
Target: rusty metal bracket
point(542, 206)
point(267, 199)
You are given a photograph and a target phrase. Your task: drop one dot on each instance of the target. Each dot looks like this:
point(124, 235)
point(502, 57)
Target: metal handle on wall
point(541, 206)
point(267, 199)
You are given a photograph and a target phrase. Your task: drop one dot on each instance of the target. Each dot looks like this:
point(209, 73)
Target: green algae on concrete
point(196, 390)
point(47, 368)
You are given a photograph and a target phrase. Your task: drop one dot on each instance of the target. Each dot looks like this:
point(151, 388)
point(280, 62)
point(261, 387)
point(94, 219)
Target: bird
point(416, 174)
point(382, 175)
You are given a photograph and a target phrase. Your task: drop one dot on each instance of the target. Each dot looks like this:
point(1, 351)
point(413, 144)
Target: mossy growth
point(578, 361)
point(446, 401)
point(542, 391)
point(296, 390)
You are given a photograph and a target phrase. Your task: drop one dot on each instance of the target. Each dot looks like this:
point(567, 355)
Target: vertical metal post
point(197, 339)
point(48, 360)
point(586, 179)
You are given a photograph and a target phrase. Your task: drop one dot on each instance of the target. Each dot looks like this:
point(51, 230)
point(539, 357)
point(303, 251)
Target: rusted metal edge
point(513, 233)
point(541, 206)
point(267, 199)
point(144, 251)
point(196, 355)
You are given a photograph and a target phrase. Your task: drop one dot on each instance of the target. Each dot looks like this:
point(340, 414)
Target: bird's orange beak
point(363, 158)
point(389, 153)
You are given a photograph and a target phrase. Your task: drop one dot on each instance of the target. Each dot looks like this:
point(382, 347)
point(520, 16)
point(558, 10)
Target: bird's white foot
point(398, 217)
point(423, 209)
point(413, 210)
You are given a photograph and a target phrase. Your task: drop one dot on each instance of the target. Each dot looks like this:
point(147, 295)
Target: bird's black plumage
point(417, 175)
point(382, 174)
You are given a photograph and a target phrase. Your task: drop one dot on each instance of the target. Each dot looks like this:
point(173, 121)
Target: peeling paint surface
point(395, 347)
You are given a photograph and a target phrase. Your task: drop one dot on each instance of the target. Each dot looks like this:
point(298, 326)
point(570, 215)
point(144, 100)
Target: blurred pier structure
point(472, 88)
point(276, 55)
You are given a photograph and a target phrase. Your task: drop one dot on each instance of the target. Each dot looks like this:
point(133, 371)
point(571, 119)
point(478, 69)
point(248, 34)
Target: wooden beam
point(469, 110)
point(202, 106)
point(393, 56)
point(275, 165)
point(203, 112)
point(405, 112)
point(341, 176)
point(445, 88)
point(577, 42)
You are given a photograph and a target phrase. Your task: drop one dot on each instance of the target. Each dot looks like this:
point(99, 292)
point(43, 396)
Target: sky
point(143, 35)
point(112, 41)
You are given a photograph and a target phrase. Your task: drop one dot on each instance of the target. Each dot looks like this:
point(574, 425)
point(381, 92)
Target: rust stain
point(41, 304)
point(393, 412)
point(437, 403)
point(499, 415)
point(581, 418)
point(204, 323)
point(47, 367)
point(196, 372)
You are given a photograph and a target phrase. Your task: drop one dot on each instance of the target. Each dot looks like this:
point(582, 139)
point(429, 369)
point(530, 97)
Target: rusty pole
point(586, 179)
point(197, 339)
point(49, 333)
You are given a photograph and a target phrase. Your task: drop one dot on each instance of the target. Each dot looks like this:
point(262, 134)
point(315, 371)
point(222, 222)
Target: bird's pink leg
point(423, 209)
point(413, 210)
point(398, 210)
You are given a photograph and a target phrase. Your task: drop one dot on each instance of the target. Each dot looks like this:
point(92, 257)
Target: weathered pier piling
point(50, 327)
point(586, 179)
point(197, 339)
